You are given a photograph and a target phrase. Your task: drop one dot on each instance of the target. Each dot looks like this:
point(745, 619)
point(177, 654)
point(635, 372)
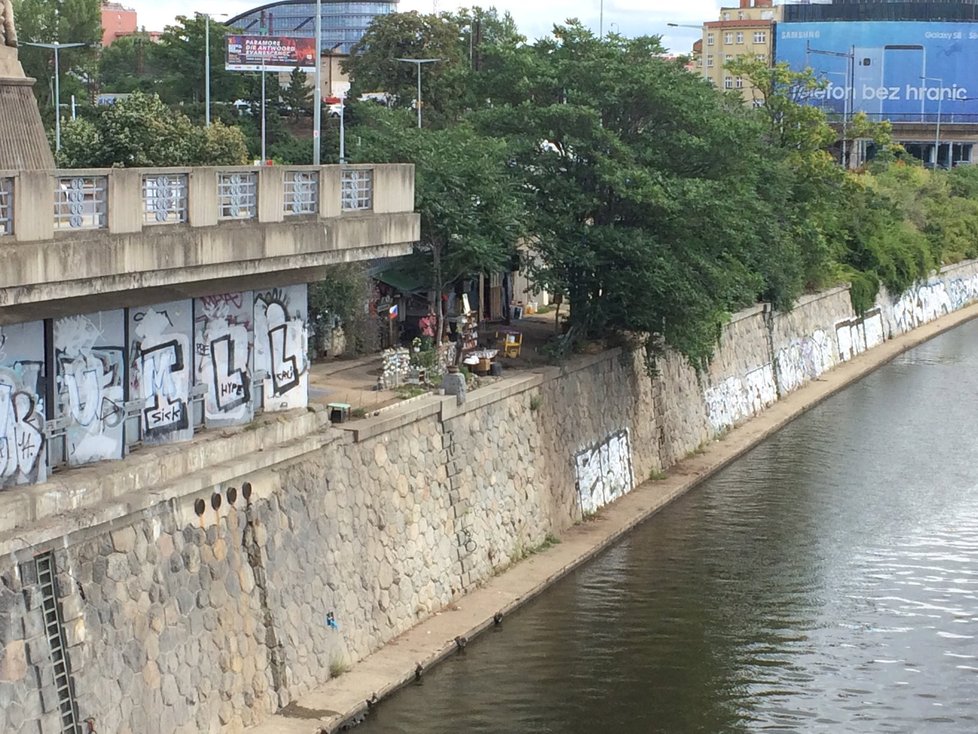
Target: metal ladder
point(55, 631)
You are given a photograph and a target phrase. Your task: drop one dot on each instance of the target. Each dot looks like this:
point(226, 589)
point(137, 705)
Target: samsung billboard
point(894, 70)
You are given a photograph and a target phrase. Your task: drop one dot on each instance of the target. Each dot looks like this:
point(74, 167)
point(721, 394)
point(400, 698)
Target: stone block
point(13, 662)
point(123, 540)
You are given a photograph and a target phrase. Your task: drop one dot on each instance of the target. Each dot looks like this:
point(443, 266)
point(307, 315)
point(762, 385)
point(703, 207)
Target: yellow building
point(741, 31)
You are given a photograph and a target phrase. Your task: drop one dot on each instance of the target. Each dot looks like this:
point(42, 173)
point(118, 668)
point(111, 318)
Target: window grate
point(237, 195)
point(80, 203)
point(357, 189)
point(301, 192)
point(165, 199)
point(55, 631)
point(6, 206)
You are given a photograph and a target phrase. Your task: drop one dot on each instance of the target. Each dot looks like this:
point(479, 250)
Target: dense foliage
point(656, 203)
point(653, 202)
point(141, 131)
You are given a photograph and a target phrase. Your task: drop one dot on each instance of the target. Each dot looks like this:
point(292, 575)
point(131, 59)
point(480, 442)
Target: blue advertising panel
point(892, 70)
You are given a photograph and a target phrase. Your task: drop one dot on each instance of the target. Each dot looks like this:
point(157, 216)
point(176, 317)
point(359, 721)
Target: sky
point(534, 18)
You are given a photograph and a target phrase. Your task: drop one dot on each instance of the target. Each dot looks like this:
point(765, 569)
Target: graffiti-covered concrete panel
point(737, 398)
point(955, 288)
point(280, 346)
point(223, 356)
point(161, 370)
point(89, 354)
point(22, 450)
point(604, 472)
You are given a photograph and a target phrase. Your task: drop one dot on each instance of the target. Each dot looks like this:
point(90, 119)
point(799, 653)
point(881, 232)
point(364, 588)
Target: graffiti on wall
point(89, 357)
point(737, 398)
point(604, 472)
point(160, 370)
point(280, 346)
point(804, 359)
point(856, 335)
point(222, 356)
point(927, 301)
point(22, 451)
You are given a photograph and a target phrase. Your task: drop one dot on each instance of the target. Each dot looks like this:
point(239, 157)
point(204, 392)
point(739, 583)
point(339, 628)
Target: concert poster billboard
point(271, 53)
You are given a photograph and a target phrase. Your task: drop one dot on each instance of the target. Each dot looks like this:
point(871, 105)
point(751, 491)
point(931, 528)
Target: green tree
point(654, 204)
point(181, 55)
point(373, 64)
point(130, 64)
point(142, 131)
point(62, 21)
point(471, 207)
point(298, 94)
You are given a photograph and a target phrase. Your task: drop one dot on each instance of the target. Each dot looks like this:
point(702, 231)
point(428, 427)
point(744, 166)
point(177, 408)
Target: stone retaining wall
point(219, 604)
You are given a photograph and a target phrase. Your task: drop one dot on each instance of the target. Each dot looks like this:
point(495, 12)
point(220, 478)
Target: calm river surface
point(826, 582)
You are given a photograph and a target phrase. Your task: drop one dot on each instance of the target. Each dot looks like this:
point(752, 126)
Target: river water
point(825, 582)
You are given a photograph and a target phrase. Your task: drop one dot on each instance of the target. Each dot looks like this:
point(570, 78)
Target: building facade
point(746, 30)
point(344, 23)
point(117, 21)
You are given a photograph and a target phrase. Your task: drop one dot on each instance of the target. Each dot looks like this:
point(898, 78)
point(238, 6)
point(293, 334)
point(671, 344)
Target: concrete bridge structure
point(138, 306)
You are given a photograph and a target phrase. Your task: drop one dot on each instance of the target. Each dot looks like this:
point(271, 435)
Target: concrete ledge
point(73, 499)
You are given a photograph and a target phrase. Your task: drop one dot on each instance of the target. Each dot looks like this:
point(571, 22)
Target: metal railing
point(80, 202)
point(6, 206)
point(165, 198)
point(908, 118)
point(301, 192)
point(357, 189)
point(237, 195)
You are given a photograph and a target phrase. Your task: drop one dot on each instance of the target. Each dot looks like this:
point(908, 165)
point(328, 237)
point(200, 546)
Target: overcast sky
point(533, 17)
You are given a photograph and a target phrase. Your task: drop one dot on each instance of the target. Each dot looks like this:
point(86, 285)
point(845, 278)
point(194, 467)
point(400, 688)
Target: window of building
point(726, 16)
point(728, 82)
point(728, 37)
point(739, 83)
point(740, 38)
point(709, 39)
point(740, 15)
point(760, 37)
point(709, 61)
point(760, 57)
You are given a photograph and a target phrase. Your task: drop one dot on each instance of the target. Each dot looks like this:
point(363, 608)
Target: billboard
point(271, 53)
point(900, 71)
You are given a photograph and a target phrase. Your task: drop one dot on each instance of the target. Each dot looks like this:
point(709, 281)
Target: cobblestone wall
point(214, 608)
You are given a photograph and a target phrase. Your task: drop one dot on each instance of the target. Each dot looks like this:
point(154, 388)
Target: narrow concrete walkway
point(325, 709)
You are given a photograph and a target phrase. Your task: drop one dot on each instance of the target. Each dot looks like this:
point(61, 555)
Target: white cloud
point(533, 17)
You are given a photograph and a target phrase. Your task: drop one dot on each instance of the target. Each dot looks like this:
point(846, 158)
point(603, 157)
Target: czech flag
point(393, 312)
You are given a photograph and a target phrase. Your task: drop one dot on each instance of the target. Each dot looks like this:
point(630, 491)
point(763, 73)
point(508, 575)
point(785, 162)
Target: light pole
point(601, 20)
point(207, 66)
point(850, 57)
point(937, 129)
point(317, 109)
point(57, 84)
point(418, 63)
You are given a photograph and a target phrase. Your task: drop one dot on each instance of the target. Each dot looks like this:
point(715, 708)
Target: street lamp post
point(207, 66)
point(418, 63)
point(57, 84)
point(937, 129)
point(601, 20)
point(317, 109)
point(850, 57)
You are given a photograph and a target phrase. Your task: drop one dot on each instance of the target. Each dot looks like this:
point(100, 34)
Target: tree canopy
point(141, 131)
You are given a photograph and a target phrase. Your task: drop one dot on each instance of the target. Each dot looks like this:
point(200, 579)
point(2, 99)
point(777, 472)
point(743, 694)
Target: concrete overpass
point(138, 306)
